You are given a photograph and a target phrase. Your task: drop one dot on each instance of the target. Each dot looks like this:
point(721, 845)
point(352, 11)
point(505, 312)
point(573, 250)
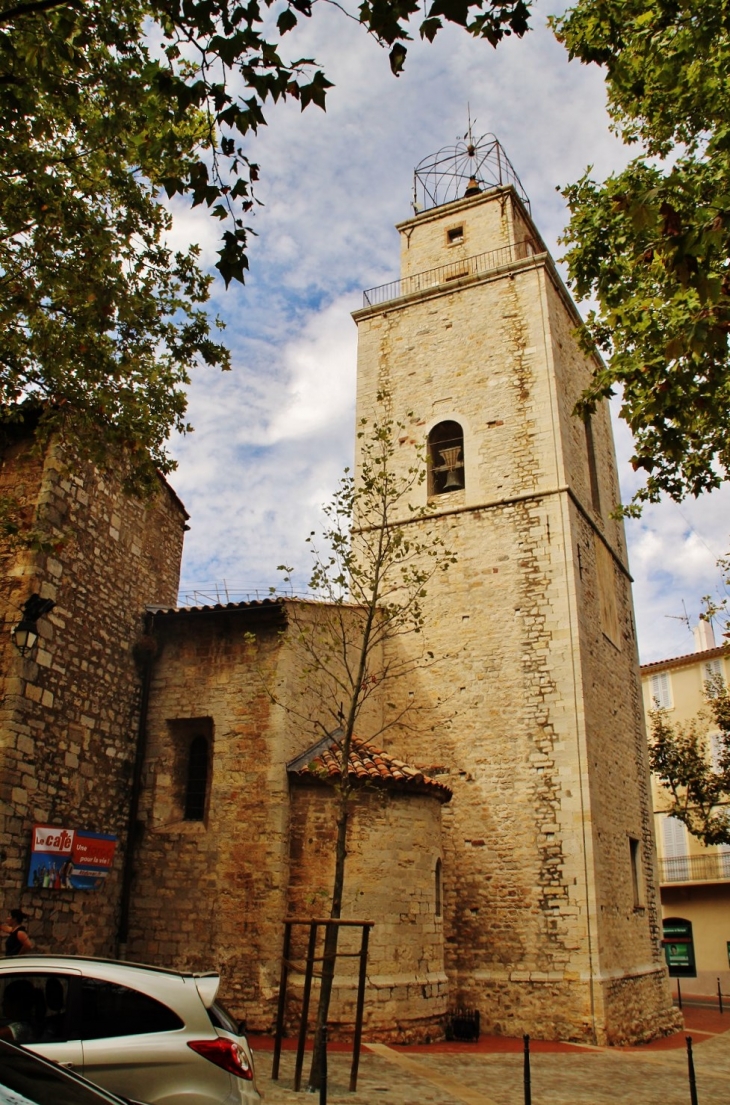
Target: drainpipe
point(145, 655)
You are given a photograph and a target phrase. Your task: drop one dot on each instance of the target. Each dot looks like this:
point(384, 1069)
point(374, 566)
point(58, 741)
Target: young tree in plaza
point(370, 575)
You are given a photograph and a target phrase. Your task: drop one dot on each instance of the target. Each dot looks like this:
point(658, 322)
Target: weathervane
point(465, 169)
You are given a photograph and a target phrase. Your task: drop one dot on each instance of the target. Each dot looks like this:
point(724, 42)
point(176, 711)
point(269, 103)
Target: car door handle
point(69, 1066)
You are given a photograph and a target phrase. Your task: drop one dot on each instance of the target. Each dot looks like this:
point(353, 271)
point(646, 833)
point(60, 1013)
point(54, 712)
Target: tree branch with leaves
point(108, 107)
point(697, 784)
point(651, 244)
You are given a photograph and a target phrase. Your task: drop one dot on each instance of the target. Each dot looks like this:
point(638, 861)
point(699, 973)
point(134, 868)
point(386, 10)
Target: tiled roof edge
point(389, 773)
point(687, 659)
point(218, 608)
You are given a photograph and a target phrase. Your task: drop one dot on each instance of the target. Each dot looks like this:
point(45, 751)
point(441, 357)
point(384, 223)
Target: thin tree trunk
point(331, 937)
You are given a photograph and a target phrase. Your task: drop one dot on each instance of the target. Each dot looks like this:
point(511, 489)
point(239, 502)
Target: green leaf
point(287, 21)
point(397, 58)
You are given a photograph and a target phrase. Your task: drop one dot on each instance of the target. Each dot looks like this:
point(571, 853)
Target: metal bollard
point(719, 994)
point(679, 994)
point(526, 1070)
point(691, 1070)
point(323, 1081)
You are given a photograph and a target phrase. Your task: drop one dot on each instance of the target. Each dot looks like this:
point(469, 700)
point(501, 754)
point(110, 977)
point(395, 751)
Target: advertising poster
point(69, 859)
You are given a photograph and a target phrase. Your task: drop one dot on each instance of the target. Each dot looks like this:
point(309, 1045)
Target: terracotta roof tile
point(687, 659)
point(368, 764)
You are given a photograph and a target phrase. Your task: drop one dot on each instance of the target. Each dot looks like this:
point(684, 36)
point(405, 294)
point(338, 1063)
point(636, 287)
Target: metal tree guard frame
point(309, 974)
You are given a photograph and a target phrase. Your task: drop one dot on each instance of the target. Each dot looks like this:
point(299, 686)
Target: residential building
point(694, 879)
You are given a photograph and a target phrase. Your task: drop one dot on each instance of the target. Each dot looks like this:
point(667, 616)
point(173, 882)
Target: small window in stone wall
point(636, 872)
point(592, 466)
point(189, 763)
point(437, 879)
point(196, 790)
point(445, 458)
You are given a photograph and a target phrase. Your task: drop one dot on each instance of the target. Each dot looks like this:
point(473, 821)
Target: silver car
point(144, 1033)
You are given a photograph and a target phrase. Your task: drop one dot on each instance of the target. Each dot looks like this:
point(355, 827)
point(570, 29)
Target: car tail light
point(224, 1053)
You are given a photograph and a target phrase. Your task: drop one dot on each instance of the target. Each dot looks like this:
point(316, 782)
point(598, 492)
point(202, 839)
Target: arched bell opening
point(445, 458)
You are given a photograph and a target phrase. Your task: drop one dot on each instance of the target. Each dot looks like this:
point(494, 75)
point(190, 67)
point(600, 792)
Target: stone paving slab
point(590, 1076)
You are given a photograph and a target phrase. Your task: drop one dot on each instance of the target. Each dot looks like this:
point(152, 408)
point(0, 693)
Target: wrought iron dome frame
point(454, 171)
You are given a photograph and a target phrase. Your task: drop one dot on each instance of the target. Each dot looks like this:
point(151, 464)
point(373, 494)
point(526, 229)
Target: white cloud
point(320, 367)
point(273, 436)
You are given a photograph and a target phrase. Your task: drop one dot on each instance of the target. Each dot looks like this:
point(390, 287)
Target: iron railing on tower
point(478, 265)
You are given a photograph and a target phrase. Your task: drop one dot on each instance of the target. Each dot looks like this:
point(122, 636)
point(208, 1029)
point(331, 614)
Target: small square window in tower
point(445, 458)
point(455, 236)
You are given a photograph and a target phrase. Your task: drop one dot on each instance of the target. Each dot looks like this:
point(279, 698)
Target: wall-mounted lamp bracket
point(25, 633)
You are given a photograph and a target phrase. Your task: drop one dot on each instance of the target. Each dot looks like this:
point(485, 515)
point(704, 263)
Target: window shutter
point(711, 669)
point(674, 839)
point(661, 691)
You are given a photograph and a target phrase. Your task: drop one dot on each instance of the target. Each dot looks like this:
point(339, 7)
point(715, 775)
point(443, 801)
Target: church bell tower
point(551, 918)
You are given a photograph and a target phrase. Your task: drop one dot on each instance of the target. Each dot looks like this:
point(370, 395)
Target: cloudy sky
point(272, 437)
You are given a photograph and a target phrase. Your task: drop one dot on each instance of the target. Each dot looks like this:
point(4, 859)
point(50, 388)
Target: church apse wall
point(394, 878)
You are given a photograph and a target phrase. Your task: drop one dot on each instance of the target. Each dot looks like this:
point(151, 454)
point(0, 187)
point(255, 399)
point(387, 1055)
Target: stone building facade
point(532, 893)
point(69, 711)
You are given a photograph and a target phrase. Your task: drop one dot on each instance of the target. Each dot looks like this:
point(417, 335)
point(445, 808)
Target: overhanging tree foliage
point(697, 784)
point(372, 578)
point(652, 243)
point(105, 107)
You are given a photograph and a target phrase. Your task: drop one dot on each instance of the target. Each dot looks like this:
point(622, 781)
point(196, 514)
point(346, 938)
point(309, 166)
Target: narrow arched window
point(196, 787)
point(445, 458)
point(437, 879)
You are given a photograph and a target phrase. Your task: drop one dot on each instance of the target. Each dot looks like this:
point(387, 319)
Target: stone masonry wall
point(210, 894)
point(394, 843)
point(68, 720)
point(486, 222)
point(629, 931)
point(218, 672)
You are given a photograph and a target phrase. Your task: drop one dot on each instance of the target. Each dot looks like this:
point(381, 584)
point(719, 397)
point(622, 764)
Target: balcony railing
point(479, 265)
point(712, 867)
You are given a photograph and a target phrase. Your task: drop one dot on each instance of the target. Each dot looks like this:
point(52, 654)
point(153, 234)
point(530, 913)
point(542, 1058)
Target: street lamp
point(25, 633)
point(25, 636)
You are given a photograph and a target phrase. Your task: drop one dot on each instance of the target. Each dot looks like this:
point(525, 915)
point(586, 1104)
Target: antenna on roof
point(681, 617)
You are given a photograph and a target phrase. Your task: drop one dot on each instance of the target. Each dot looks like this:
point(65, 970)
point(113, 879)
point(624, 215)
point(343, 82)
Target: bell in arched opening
point(445, 458)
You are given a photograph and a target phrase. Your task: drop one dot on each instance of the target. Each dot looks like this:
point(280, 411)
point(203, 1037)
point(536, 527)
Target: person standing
point(18, 941)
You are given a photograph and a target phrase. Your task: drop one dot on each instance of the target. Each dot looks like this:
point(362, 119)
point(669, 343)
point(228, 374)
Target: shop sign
point(69, 859)
point(679, 948)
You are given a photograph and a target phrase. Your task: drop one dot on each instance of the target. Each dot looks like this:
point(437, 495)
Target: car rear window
point(108, 1009)
point(36, 1006)
point(221, 1018)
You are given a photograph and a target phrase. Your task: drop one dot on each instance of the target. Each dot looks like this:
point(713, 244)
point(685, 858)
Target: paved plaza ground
point(491, 1072)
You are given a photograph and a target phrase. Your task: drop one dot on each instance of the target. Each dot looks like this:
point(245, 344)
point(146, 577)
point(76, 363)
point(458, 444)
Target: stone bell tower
point(551, 915)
